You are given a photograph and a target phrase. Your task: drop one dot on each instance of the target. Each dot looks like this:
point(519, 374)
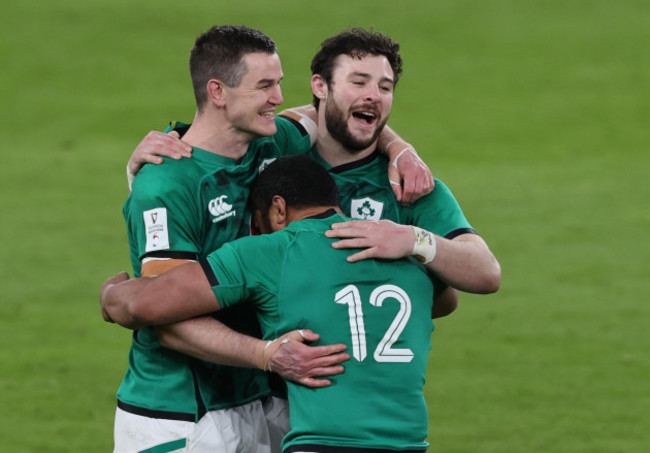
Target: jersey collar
point(356, 164)
point(323, 215)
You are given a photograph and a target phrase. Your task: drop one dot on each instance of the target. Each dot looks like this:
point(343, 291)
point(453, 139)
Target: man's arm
point(288, 356)
point(184, 292)
point(409, 176)
point(445, 303)
point(154, 145)
point(464, 262)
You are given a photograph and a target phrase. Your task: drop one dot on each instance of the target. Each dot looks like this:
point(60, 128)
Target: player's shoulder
point(169, 177)
point(291, 120)
point(171, 170)
point(260, 250)
point(439, 189)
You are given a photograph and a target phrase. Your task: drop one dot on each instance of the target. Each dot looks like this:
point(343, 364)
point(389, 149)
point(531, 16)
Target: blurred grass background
point(535, 113)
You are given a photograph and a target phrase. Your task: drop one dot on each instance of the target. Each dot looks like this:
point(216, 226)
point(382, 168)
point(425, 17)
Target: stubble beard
point(337, 126)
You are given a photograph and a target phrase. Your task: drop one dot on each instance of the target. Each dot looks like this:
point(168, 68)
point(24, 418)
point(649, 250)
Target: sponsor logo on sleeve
point(366, 209)
point(155, 224)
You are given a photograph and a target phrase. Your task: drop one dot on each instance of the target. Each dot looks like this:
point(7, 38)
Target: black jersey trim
point(179, 127)
point(356, 164)
point(330, 449)
point(201, 409)
point(209, 273)
point(172, 255)
point(296, 123)
point(458, 232)
point(165, 415)
point(323, 215)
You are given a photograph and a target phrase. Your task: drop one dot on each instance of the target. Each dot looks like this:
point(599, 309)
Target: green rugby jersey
point(186, 209)
point(381, 309)
point(366, 194)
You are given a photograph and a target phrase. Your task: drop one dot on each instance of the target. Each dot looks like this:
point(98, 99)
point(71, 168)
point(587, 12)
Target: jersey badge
point(366, 209)
point(220, 209)
point(155, 224)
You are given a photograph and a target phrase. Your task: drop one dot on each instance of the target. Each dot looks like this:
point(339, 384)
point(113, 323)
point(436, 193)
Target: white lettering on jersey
point(220, 209)
point(366, 209)
point(155, 225)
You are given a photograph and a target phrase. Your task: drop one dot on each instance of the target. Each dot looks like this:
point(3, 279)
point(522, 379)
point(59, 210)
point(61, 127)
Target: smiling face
point(358, 100)
point(250, 107)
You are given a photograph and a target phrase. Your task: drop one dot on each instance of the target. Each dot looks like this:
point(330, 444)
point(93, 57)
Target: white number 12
point(384, 351)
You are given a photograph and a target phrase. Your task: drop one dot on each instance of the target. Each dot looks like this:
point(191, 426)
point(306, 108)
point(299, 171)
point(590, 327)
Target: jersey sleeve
point(225, 272)
point(439, 213)
point(161, 213)
point(248, 268)
point(293, 135)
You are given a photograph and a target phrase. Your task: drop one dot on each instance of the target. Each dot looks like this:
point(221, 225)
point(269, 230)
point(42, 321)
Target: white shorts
point(276, 411)
point(241, 429)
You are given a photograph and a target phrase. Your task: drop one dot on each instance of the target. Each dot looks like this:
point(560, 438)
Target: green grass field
point(535, 113)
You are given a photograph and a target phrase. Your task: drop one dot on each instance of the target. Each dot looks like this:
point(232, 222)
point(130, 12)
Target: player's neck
point(211, 133)
point(294, 215)
point(335, 154)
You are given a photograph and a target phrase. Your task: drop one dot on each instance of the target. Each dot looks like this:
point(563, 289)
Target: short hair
point(356, 43)
point(299, 179)
point(218, 54)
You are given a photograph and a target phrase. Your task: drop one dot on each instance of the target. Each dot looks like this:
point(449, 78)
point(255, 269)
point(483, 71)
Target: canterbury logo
point(218, 206)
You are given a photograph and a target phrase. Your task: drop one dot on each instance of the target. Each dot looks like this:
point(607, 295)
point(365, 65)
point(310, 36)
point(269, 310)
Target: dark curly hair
point(299, 179)
point(357, 43)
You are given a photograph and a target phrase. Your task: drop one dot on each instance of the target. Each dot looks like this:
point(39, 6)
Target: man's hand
point(155, 145)
point(379, 239)
point(114, 280)
point(293, 360)
point(409, 176)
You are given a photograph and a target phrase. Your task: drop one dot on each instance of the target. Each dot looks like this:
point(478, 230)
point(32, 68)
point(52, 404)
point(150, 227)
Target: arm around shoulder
point(181, 293)
point(467, 264)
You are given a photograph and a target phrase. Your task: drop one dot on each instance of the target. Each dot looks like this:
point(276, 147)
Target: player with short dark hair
point(218, 52)
point(183, 210)
point(301, 181)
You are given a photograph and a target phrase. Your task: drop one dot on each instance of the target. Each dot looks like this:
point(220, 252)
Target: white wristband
point(424, 248)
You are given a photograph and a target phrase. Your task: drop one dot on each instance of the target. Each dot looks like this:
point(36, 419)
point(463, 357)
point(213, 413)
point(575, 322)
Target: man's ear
point(278, 215)
point(215, 89)
point(319, 87)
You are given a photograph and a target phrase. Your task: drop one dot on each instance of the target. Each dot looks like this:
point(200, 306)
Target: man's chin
point(361, 142)
point(265, 131)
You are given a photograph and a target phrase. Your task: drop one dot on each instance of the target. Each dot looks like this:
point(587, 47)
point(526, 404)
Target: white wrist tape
point(305, 121)
point(266, 365)
point(400, 154)
point(424, 248)
point(387, 145)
